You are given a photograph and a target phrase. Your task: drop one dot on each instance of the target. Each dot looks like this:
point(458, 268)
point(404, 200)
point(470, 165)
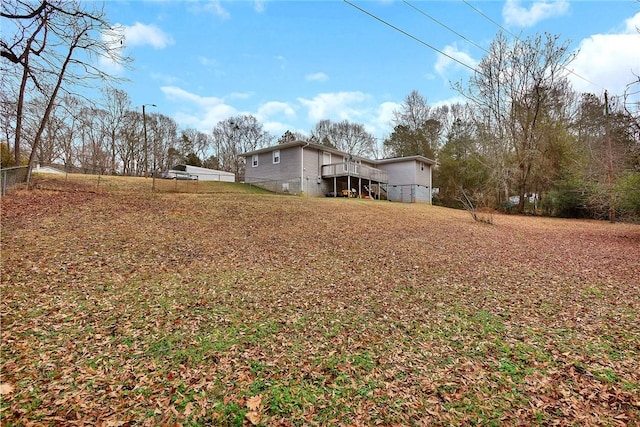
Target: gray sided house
point(314, 170)
point(410, 178)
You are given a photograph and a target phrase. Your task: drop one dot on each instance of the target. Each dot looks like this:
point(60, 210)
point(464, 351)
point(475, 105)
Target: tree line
point(523, 140)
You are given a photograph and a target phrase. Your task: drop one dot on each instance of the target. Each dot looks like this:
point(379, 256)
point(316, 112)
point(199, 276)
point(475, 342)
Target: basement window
point(276, 157)
point(254, 161)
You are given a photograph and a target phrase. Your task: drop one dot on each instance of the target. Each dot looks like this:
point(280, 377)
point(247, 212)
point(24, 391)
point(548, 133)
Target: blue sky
point(293, 63)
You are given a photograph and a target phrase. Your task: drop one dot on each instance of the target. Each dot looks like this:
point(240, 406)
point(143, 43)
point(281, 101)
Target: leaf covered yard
point(125, 307)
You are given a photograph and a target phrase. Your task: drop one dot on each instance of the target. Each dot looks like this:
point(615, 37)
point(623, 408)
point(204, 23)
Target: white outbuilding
point(201, 174)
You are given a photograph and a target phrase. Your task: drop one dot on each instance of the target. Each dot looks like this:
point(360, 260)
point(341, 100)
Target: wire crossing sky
point(294, 63)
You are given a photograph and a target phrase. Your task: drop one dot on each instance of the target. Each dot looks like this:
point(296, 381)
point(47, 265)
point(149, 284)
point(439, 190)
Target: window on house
point(326, 158)
point(276, 157)
point(254, 161)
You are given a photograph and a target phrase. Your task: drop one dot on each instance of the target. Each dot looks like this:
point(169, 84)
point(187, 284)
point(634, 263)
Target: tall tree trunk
point(51, 103)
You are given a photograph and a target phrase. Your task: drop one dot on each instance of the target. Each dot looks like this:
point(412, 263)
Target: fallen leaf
point(253, 417)
point(188, 409)
point(254, 403)
point(6, 388)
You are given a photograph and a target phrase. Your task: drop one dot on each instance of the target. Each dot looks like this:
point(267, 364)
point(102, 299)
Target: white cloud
point(632, 25)
point(273, 108)
point(335, 106)
point(200, 112)
point(145, 35)
point(205, 112)
point(215, 7)
point(258, 6)
point(174, 93)
point(240, 95)
point(445, 64)
point(386, 114)
point(316, 77)
point(120, 37)
point(275, 128)
point(608, 60)
point(516, 14)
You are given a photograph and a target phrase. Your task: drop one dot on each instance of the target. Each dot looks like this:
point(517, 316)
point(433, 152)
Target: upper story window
point(254, 161)
point(326, 158)
point(276, 157)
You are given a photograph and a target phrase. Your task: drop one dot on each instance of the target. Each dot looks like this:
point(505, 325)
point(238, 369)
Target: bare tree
point(116, 103)
point(417, 128)
point(289, 136)
point(196, 142)
point(130, 146)
point(515, 94)
point(235, 136)
point(49, 149)
point(162, 133)
point(345, 136)
point(51, 48)
point(92, 147)
point(413, 113)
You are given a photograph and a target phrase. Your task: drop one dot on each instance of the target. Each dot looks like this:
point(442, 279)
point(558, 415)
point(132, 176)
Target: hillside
point(126, 307)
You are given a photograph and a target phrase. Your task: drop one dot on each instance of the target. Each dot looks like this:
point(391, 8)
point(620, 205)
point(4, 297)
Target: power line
point(444, 25)
point(518, 38)
point(489, 19)
point(411, 36)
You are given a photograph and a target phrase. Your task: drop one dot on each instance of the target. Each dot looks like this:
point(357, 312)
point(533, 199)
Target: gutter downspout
point(302, 167)
point(430, 185)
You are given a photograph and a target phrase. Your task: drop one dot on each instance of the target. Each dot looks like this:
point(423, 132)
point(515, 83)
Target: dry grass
point(125, 307)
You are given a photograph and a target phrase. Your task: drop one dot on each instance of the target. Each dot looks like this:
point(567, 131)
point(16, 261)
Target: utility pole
point(607, 127)
point(146, 145)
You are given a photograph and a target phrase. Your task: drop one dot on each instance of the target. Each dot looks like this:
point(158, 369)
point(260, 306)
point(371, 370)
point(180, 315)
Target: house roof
point(405, 159)
point(299, 143)
point(183, 168)
point(320, 147)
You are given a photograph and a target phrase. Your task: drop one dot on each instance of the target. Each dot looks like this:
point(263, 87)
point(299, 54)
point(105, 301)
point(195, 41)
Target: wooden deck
point(355, 170)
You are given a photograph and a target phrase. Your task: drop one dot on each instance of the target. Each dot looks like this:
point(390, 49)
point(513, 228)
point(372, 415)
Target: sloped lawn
point(132, 308)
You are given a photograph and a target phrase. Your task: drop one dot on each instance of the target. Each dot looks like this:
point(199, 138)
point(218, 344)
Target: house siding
point(409, 181)
point(289, 171)
point(313, 185)
point(300, 172)
point(279, 177)
point(288, 168)
point(400, 173)
point(423, 174)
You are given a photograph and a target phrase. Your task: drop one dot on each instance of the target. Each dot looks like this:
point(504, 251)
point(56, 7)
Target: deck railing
point(356, 170)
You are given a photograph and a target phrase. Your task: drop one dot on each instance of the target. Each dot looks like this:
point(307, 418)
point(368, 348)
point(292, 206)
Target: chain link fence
point(12, 177)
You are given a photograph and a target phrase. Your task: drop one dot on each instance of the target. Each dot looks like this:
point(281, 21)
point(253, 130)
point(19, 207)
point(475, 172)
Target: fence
point(409, 193)
point(13, 176)
point(186, 183)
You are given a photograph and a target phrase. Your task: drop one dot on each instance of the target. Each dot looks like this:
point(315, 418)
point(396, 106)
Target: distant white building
point(46, 169)
point(201, 174)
